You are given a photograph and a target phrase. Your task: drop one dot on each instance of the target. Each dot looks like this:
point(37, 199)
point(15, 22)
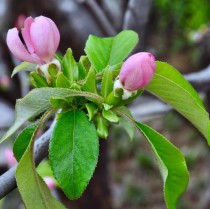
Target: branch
point(200, 80)
point(100, 16)
point(7, 180)
point(136, 18)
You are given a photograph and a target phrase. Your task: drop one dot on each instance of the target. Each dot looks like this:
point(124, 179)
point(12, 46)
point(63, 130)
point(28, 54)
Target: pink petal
point(26, 34)
point(17, 48)
point(55, 33)
point(43, 39)
point(9, 157)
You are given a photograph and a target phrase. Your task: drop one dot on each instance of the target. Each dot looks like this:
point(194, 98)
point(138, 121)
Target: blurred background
point(176, 32)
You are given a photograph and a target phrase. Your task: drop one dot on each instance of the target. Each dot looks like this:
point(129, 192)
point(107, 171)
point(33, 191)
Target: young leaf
point(83, 67)
point(170, 86)
point(91, 109)
point(102, 127)
point(70, 69)
point(90, 82)
point(38, 80)
point(62, 81)
point(107, 83)
point(171, 162)
point(110, 51)
point(110, 116)
point(38, 101)
point(33, 190)
point(23, 66)
point(73, 152)
point(22, 141)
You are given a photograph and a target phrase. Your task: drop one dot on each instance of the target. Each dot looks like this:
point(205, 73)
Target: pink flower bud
point(9, 157)
point(50, 182)
point(41, 38)
point(4, 81)
point(137, 71)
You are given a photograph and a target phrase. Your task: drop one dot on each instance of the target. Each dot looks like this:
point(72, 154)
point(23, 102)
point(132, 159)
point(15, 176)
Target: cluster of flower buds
point(40, 42)
point(41, 39)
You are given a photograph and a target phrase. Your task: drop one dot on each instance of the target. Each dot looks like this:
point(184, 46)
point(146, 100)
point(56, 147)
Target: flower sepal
point(49, 70)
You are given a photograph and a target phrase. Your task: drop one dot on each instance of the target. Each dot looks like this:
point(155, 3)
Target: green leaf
point(171, 162)
point(107, 82)
point(70, 69)
point(23, 66)
point(110, 51)
point(62, 81)
point(170, 86)
point(90, 82)
point(38, 101)
point(73, 152)
point(22, 141)
point(33, 190)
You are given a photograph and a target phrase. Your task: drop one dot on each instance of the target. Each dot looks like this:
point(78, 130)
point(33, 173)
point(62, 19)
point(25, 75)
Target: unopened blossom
point(136, 72)
point(50, 182)
point(4, 81)
point(9, 157)
point(41, 39)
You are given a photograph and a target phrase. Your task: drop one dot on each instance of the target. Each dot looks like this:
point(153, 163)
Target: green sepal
point(70, 68)
point(62, 81)
point(90, 82)
point(92, 110)
point(102, 127)
point(110, 116)
point(38, 80)
point(107, 82)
